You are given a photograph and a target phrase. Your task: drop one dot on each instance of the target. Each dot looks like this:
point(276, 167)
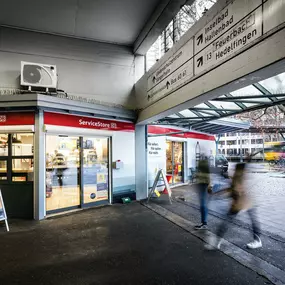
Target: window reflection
point(3, 169)
point(17, 167)
point(3, 144)
point(22, 170)
point(22, 144)
point(62, 172)
point(95, 169)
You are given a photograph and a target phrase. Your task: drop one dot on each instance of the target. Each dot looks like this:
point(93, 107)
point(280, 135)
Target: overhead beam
point(182, 119)
point(251, 102)
point(233, 98)
point(241, 105)
point(260, 61)
point(263, 90)
point(249, 109)
point(216, 110)
point(161, 17)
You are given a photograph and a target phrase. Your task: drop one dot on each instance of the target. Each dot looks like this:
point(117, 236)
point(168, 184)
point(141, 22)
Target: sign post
point(160, 175)
point(3, 216)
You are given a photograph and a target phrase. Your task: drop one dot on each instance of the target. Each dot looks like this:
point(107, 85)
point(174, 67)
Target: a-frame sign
point(3, 216)
point(160, 176)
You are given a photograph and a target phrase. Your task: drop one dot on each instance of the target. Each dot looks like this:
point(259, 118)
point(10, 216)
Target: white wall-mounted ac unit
point(38, 75)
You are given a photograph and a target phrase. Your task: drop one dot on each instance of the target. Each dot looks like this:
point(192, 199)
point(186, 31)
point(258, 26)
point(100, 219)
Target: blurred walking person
point(240, 201)
point(203, 181)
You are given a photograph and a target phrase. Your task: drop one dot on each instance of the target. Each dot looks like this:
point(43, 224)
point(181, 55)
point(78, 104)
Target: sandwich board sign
point(3, 216)
point(160, 177)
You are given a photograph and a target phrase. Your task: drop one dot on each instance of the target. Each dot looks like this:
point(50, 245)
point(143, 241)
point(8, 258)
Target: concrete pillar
point(39, 168)
point(141, 162)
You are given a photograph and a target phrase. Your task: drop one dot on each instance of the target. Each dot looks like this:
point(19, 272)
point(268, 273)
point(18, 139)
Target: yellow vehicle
point(274, 150)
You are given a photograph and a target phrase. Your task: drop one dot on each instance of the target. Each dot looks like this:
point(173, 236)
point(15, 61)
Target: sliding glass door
point(77, 172)
point(62, 173)
point(174, 162)
point(95, 170)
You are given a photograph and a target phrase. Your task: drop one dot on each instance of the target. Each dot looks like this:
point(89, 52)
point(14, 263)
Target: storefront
point(17, 163)
point(52, 161)
point(79, 160)
point(88, 161)
point(174, 151)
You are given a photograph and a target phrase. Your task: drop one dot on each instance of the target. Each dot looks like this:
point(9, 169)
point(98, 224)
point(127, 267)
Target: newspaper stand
point(3, 216)
point(160, 176)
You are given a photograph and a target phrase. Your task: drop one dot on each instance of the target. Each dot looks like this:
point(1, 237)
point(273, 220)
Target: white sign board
point(171, 64)
point(238, 37)
point(172, 73)
point(3, 216)
point(222, 22)
point(173, 81)
point(156, 147)
point(274, 14)
point(226, 33)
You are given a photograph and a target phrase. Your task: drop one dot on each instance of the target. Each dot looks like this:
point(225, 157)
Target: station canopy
point(210, 116)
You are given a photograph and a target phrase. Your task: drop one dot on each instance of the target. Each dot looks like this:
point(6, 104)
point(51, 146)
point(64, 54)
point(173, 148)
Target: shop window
point(3, 144)
point(22, 144)
point(22, 170)
point(16, 157)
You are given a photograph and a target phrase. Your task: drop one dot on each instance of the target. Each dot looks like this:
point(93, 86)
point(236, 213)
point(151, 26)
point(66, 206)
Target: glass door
point(62, 173)
point(174, 162)
point(95, 170)
point(178, 162)
point(169, 161)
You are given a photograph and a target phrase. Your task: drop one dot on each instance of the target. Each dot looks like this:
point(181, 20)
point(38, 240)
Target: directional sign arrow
point(167, 84)
point(200, 39)
point(200, 61)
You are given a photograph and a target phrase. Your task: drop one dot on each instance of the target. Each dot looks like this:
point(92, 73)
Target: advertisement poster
point(156, 156)
point(102, 186)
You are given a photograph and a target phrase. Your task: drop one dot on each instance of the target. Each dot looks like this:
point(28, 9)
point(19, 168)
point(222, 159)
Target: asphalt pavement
point(119, 244)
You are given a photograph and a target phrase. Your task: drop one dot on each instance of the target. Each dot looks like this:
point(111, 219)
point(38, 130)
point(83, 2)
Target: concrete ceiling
point(113, 21)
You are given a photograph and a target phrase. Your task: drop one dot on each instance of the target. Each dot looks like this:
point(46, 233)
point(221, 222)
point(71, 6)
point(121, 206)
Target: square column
point(141, 162)
point(39, 168)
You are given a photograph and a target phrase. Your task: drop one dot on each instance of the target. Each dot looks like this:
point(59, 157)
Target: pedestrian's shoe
point(219, 244)
point(214, 243)
point(255, 244)
point(201, 227)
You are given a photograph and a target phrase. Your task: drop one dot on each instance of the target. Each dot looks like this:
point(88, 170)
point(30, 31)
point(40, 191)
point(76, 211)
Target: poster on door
point(156, 156)
point(156, 147)
point(102, 186)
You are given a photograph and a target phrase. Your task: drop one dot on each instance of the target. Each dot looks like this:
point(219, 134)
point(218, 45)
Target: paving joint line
point(260, 266)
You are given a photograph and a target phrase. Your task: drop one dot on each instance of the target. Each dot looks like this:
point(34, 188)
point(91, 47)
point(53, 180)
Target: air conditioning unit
point(38, 75)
